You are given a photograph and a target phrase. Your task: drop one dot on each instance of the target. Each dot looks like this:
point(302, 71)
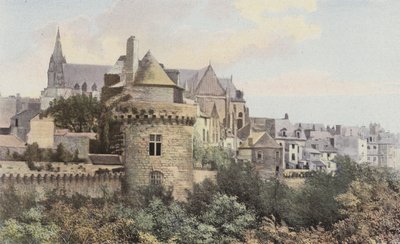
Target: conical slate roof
point(57, 52)
point(150, 72)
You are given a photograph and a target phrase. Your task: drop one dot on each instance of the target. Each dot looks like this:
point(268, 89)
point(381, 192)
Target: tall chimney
point(131, 62)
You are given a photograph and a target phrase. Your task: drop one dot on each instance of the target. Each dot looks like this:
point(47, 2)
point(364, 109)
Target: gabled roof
point(209, 84)
point(150, 72)
point(261, 139)
point(190, 78)
point(81, 73)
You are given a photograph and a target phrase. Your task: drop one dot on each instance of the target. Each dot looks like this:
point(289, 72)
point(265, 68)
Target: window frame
point(156, 178)
point(155, 145)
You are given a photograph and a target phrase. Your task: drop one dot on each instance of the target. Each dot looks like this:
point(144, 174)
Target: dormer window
point(84, 87)
point(283, 132)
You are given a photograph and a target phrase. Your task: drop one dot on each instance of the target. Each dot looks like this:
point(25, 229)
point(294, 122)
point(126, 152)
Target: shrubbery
point(34, 154)
point(359, 204)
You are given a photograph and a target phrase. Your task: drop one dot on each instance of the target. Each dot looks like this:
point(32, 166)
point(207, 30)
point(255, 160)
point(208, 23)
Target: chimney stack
point(132, 61)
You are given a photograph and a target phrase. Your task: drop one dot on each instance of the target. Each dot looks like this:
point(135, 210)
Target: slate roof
point(261, 139)
point(150, 72)
point(209, 84)
point(118, 66)
point(11, 141)
point(189, 78)
point(81, 73)
point(27, 114)
point(105, 159)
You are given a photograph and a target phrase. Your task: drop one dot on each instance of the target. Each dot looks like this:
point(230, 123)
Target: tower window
point(156, 178)
point(155, 145)
point(259, 155)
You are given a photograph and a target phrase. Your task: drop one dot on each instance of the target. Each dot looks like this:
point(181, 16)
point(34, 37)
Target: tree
point(241, 180)
point(31, 228)
point(229, 217)
point(79, 113)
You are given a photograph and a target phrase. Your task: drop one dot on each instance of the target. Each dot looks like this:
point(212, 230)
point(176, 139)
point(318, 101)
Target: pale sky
point(327, 61)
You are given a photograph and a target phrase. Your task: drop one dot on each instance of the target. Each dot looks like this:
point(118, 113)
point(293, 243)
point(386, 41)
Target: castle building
point(155, 123)
point(65, 79)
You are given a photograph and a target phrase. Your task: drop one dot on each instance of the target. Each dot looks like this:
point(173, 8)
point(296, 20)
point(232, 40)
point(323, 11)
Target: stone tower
point(55, 73)
point(157, 128)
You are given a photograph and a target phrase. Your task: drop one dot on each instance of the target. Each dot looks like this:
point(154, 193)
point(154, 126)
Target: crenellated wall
point(93, 185)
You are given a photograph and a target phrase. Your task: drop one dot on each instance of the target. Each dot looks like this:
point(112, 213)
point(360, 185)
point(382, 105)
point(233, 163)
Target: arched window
point(84, 87)
point(77, 87)
point(240, 115)
point(298, 134)
point(156, 178)
point(94, 87)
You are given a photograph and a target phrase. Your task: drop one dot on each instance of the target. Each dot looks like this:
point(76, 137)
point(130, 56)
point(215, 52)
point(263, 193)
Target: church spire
point(57, 53)
point(55, 73)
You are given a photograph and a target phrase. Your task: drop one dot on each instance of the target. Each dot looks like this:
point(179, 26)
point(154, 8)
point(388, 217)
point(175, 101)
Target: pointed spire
point(57, 53)
point(58, 33)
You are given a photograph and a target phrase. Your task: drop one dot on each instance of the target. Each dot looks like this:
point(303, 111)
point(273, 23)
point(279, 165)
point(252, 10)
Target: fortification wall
point(68, 184)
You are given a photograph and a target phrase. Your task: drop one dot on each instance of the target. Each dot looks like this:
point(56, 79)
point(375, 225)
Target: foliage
point(360, 204)
point(35, 154)
point(229, 217)
point(201, 196)
point(79, 113)
point(372, 214)
point(13, 203)
point(212, 157)
point(241, 180)
point(31, 228)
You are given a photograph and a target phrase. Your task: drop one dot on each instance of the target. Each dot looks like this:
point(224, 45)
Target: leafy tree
point(229, 217)
point(31, 228)
point(201, 196)
point(79, 113)
point(241, 180)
